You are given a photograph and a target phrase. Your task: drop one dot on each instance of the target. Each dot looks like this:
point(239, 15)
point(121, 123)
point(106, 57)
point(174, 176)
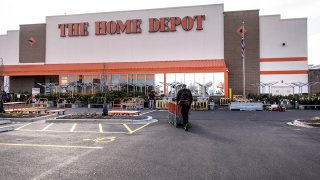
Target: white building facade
point(153, 49)
point(284, 54)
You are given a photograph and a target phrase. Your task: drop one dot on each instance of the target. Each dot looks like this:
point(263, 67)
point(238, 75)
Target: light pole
point(243, 60)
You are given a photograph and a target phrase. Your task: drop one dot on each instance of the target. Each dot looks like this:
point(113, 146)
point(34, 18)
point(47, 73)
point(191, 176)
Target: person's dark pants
point(1, 107)
point(185, 114)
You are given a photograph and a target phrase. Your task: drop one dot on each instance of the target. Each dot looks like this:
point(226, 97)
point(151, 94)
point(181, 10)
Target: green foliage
point(50, 97)
point(135, 94)
point(304, 99)
point(98, 98)
point(116, 94)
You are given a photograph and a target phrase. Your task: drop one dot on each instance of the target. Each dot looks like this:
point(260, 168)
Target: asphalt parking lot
point(220, 145)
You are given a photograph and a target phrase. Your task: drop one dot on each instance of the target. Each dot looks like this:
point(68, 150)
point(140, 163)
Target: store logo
point(31, 41)
point(240, 30)
point(133, 26)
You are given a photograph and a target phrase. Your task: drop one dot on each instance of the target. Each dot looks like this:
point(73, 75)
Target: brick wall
point(32, 43)
point(232, 50)
point(314, 76)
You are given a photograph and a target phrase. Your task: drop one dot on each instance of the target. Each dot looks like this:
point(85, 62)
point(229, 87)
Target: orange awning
point(217, 65)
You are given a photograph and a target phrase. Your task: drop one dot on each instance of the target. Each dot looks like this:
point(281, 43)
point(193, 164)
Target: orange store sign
point(133, 26)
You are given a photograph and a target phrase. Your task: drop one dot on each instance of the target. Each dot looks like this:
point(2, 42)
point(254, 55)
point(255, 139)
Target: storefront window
point(170, 86)
point(189, 81)
point(158, 84)
point(200, 84)
point(219, 84)
point(199, 81)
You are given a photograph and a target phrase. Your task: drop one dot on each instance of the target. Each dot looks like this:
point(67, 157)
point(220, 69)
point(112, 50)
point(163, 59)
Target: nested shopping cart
point(174, 114)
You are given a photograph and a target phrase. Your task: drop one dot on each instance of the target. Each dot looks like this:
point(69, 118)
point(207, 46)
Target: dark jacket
point(180, 93)
point(151, 96)
point(4, 96)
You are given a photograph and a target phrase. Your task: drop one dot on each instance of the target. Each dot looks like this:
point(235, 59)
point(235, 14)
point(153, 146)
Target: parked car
point(276, 107)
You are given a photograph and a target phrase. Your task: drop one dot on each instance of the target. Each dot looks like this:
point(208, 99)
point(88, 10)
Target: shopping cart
point(174, 114)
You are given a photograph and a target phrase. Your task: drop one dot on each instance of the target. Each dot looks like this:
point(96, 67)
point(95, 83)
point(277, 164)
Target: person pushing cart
point(179, 110)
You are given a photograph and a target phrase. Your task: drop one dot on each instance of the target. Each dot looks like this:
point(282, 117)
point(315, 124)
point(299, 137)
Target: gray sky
point(14, 12)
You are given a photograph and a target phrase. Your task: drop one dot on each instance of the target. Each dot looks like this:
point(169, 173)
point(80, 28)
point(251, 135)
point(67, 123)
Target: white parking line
point(100, 128)
point(45, 128)
point(23, 126)
point(73, 127)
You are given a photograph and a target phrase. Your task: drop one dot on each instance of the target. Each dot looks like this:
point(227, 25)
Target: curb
point(311, 124)
point(5, 122)
point(6, 128)
point(298, 123)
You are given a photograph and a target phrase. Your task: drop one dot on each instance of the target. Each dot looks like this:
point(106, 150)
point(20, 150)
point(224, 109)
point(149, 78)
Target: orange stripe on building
point(284, 72)
point(284, 59)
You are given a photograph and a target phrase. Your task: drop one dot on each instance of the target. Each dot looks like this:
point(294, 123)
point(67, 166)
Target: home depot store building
point(159, 49)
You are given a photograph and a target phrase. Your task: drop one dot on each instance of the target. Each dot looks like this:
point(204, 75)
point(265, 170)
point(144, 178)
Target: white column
point(6, 84)
point(203, 85)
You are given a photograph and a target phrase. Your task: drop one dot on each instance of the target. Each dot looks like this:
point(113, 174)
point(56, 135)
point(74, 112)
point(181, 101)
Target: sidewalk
point(5, 125)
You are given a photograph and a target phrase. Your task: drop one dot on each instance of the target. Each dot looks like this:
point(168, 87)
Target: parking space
point(67, 135)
